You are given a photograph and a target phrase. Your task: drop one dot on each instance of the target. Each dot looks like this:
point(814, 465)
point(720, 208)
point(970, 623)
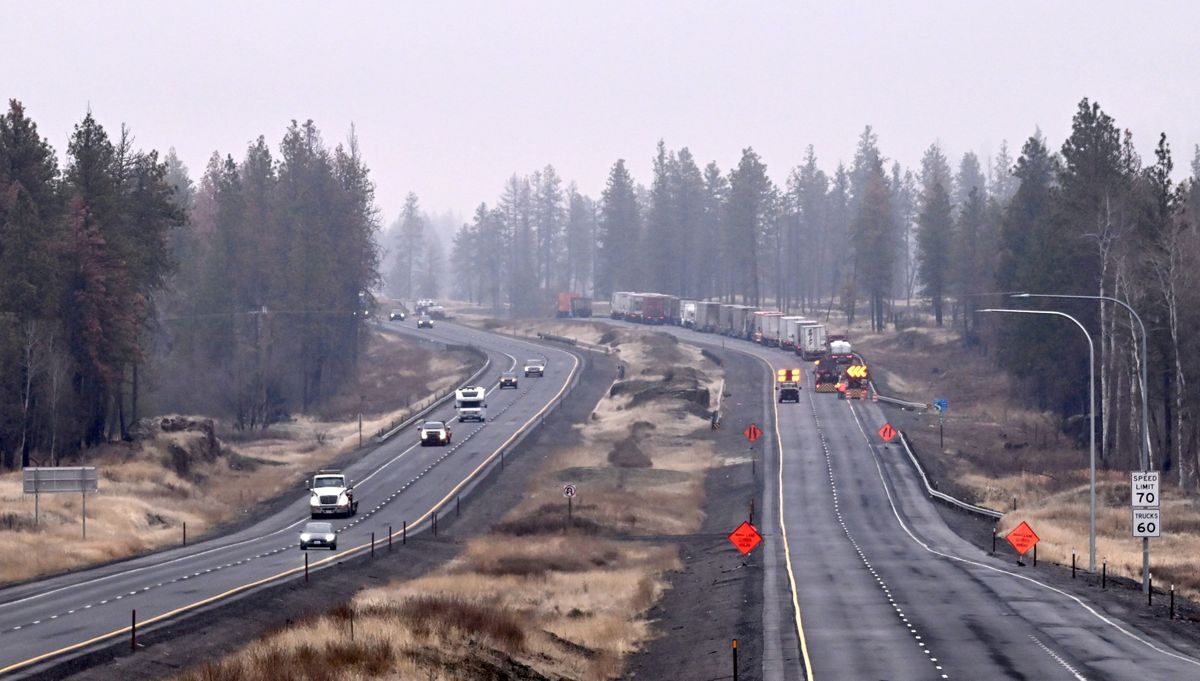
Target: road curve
point(46, 621)
point(884, 589)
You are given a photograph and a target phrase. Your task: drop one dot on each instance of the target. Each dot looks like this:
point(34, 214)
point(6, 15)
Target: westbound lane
point(887, 590)
point(395, 482)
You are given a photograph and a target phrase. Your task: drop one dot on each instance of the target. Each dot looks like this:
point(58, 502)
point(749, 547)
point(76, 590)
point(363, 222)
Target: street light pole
point(1091, 420)
point(1146, 446)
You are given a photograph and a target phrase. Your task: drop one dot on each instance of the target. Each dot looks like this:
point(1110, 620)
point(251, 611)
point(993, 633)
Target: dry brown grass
point(562, 601)
point(998, 452)
point(150, 489)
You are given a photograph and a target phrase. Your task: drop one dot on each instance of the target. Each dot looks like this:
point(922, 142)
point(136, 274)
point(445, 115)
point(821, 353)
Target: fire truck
point(787, 384)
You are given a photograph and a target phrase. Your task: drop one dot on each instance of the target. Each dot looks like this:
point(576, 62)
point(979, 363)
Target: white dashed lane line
point(912, 630)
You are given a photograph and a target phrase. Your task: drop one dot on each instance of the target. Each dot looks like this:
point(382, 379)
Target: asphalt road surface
point(42, 622)
point(870, 582)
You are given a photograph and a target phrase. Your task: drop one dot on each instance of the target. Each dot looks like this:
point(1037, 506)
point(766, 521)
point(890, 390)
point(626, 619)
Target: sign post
point(38, 480)
point(569, 493)
point(942, 406)
point(1144, 502)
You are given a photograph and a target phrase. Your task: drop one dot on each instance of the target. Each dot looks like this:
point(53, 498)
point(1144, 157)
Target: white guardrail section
point(970, 508)
point(942, 496)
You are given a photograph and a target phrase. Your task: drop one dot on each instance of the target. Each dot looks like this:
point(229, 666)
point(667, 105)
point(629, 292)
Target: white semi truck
point(469, 401)
point(330, 493)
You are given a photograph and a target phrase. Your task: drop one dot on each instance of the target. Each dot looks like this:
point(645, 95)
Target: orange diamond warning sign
point(1022, 538)
point(752, 432)
point(745, 538)
point(887, 432)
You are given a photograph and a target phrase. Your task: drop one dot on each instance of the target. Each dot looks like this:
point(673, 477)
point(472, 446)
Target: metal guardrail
point(942, 496)
point(906, 404)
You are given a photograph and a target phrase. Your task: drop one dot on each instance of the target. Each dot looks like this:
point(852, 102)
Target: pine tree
point(616, 263)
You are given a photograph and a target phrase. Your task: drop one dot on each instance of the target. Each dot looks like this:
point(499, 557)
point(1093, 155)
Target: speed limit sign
point(1147, 522)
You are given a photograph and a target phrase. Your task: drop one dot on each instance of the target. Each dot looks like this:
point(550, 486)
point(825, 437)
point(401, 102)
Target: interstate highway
point(881, 588)
point(42, 622)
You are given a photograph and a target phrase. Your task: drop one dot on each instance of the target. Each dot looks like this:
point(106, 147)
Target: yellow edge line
point(787, 551)
point(344, 554)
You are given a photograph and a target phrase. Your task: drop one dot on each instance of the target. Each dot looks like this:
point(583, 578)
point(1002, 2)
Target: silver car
point(318, 535)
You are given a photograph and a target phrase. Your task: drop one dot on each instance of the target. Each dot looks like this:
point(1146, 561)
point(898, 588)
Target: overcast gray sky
point(451, 98)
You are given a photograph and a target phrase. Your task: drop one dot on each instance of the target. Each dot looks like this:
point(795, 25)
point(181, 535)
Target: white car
point(318, 534)
point(535, 367)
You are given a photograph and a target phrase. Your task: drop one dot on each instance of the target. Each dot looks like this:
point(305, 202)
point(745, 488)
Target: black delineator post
point(372, 544)
point(1150, 591)
point(1035, 555)
point(185, 533)
point(404, 537)
point(306, 567)
point(1072, 565)
point(435, 523)
point(389, 538)
point(1104, 574)
point(133, 631)
point(751, 510)
point(735, 664)
point(1172, 615)
point(457, 507)
point(993, 539)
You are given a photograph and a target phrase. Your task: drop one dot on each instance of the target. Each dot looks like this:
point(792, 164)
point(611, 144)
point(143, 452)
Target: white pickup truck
point(331, 494)
point(535, 367)
point(468, 400)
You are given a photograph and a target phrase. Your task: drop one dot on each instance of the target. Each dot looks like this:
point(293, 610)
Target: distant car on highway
point(508, 379)
point(535, 367)
point(434, 434)
point(396, 315)
point(424, 322)
point(318, 535)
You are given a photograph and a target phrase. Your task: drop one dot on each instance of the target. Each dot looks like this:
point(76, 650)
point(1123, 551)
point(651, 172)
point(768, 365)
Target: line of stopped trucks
point(836, 367)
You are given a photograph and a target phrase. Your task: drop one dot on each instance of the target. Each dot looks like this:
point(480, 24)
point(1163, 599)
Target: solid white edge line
point(968, 561)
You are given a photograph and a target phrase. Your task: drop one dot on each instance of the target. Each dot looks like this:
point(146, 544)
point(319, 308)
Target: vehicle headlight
point(305, 536)
point(330, 537)
point(314, 501)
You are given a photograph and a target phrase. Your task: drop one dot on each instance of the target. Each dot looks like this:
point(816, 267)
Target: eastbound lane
point(397, 481)
point(886, 589)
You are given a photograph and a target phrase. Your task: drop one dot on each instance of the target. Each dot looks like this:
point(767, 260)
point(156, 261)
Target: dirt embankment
point(1003, 455)
point(194, 470)
point(543, 595)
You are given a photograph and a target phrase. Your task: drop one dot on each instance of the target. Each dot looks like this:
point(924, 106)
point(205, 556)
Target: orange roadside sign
point(887, 432)
point(752, 433)
point(1022, 538)
point(745, 538)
